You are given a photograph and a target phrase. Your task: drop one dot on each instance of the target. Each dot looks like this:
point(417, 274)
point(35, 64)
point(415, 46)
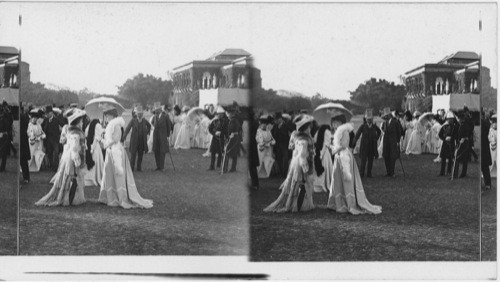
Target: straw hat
point(450, 114)
point(220, 110)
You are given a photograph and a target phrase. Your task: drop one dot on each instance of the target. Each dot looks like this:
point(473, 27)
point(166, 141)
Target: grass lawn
point(424, 218)
point(489, 223)
point(8, 208)
point(196, 212)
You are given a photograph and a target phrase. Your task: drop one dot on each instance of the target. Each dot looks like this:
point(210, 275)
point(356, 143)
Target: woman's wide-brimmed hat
point(74, 114)
point(302, 120)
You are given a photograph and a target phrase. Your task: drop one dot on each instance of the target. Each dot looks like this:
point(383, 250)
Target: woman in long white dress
point(297, 189)
point(151, 132)
point(68, 187)
point(205, 136)
point(118, 184)
point(408, 128)
point(177, 121)
point(346, 189)
point(183, 140)
point(195, 140)
point(492, 137)
point(94, 159)
point(323, 164)
point(265, 144)
point(35, 137)
point(417, 135)
point(435, 142)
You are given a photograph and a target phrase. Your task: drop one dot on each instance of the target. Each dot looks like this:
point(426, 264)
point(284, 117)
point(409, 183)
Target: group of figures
point(319, 158)
point(6, 134)
point(92, 152)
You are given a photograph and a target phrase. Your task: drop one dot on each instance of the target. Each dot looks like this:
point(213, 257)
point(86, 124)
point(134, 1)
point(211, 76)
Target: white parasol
point(195, 114)
point(425, 118)
point(95, 108)
point(323, 114)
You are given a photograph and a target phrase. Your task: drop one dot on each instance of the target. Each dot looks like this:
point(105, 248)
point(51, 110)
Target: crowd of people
point(93, 152)
point(313, 157)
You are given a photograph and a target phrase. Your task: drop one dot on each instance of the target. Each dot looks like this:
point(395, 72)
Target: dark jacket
point(234, 127)
point(52, 130)
point(135, 124)
point(217, 144)
point(161, 133)
point(485, 143)
point(448, 147)
point(465, 131)
point(392, 135)
point(368, 146)
point(23, 138)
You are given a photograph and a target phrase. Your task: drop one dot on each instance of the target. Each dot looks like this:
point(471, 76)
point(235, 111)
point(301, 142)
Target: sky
point(327, 48)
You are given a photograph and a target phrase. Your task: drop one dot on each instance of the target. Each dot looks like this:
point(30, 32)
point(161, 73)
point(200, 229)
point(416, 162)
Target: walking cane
point(224, 157)
point(171, 160)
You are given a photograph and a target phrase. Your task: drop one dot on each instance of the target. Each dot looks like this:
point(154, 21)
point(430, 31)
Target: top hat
point(156, 106)
point(387, 111)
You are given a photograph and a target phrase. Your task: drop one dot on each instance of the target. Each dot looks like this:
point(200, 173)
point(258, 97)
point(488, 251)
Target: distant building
point(455, 74)
point(224, 77)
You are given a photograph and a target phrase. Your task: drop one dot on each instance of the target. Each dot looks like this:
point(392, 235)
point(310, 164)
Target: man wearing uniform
point(233, 133)
point(447, 134)
point(217, 127)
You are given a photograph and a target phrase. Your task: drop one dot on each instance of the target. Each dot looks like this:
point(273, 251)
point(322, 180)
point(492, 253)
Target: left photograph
point(11, 70)
point(123, 127)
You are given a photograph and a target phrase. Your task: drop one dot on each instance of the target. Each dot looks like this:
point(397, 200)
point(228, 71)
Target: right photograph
point(374, 132)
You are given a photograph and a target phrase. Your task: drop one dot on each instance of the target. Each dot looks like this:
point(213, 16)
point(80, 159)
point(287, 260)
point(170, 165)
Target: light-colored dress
point(35, 137)
point(62, 139)
point(346, 189)
point(183, 140)
point(408, 126)
point(177, 121)
point(323, 181)
point(417, 138)
point(299, 177)
point(435, 141)
point(93, 177)
point(151, 132)
point(265, 144)
point(492, 137)
point(70, 169)
point(196, 140)
point(118, 184)
point(205, 136)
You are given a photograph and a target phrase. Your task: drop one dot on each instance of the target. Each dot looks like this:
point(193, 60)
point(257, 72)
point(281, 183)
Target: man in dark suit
point(392, 135)
point(234, 138)
point(139, 138)
point(51, 127)
point(24, 151)
point(463, 140)
point(162, 123)
point(281, 133)
point(368, 147)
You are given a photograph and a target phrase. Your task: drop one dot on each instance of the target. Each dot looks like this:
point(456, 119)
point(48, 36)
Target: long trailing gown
point(150, 138)
point(265, 143)
point(183, 140)
point(322, 182)
point(93, 176)
point(408, 127)
point(71, 167)
point(177, 126)
point(346, 189)
point(35, 137)
point(62, 140)
point(417, 136)
point(492, 137)
point(434, 137)
point(118, 184)
point(299, 172)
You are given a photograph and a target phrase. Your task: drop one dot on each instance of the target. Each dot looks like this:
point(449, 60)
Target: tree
point(378, 94)
point(146, 89)
point(38, 95)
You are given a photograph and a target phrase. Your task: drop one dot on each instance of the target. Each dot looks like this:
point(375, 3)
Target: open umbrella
point(195, 114)
point(323, 114)
point(95, 108)
point(425, 118)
